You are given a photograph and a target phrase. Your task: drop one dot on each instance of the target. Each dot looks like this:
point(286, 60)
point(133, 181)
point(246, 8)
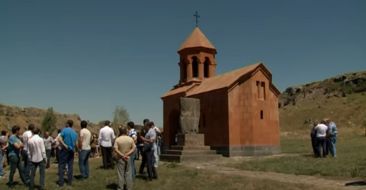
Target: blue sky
point(88, 56)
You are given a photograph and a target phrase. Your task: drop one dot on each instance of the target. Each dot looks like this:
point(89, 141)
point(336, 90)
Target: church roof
point(182, 89)
point(196, 39)
point(220, 81)
point(223, 80)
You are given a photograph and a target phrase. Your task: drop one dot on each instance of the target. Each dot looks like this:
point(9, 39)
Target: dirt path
point(322, 183)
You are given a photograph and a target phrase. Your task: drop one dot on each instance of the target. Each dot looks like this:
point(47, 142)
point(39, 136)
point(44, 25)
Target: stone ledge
point(191, 139)
point(253, 150)
point(179, 147)
point(188, 158)
point(190, 148)
point(189, 152)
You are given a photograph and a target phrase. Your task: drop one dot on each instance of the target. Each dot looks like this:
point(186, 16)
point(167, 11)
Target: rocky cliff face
point(339, 86)
point(341, 98)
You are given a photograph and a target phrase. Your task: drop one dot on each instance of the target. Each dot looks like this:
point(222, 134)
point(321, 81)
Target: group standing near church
point(324, 138)
point(31, 151)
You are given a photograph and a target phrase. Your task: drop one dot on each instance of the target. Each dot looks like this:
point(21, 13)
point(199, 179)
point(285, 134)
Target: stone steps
point(191, 147)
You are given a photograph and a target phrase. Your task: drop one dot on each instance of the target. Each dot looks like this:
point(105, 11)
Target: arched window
point(261, 90)
point(261, 114)
point(206, 68)
point(195, 67)
point(184, 70)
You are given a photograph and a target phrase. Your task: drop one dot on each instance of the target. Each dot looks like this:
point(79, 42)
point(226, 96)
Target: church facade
point(239, 109)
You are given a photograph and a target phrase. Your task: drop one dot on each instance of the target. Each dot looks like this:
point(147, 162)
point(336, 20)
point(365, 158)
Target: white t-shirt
point(48, 142)
point(157, 129)
point(85, 137)
point(133, 134)
point(151, 134)
point(106, 136)
point(26, 136)
point(321, 130)
point(36, 149)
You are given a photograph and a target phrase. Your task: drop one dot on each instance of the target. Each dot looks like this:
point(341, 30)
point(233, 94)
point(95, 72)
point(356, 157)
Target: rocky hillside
point(11, 115)
point(341, 98)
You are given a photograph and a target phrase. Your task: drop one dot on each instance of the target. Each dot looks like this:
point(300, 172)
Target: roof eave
point(203, 48)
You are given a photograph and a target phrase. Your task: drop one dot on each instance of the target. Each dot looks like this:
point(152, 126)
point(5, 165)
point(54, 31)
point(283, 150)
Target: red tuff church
point(239, 109)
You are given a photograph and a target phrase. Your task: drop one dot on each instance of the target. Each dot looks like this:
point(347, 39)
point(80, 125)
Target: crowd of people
point(32, 150)
point(323, 138)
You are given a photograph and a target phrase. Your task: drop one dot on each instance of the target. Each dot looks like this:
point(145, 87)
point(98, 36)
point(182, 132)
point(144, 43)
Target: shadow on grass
point(37, 187)
point(112, 186)
point(356, 183)
point(308, 155)
point(79, 177)
point(14, 184)
point(144, 177)
point(65, 181)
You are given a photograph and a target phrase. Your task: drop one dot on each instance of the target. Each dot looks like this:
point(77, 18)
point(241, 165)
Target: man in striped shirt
point(133, 134)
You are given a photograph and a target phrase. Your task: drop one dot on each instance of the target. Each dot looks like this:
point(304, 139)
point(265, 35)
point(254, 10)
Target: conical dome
point(196, 39)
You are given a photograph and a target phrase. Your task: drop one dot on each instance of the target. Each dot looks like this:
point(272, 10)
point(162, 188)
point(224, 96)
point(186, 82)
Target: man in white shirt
point(84, 147)
point(25, 138)
point(156, 146)
point(37, 157)
point(106, 138)
point(48, 141)
point(149, 139)
point(321, 133)
point(3, 146)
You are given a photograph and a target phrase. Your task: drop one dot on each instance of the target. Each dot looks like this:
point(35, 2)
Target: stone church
point(238, 109)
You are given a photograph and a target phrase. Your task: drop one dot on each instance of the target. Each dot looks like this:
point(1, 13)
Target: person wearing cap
point(106, 138)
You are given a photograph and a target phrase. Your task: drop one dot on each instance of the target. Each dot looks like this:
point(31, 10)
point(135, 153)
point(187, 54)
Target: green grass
point(350, 161)
point(348, 112)
point(296, 121)
point(172, 176)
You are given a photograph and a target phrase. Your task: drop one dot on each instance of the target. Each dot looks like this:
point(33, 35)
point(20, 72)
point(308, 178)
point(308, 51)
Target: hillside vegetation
point(12, 115)
point(341, 98)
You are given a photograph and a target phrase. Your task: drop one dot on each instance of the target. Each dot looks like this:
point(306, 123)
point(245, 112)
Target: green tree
point(49, 120)
point(121, 117)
